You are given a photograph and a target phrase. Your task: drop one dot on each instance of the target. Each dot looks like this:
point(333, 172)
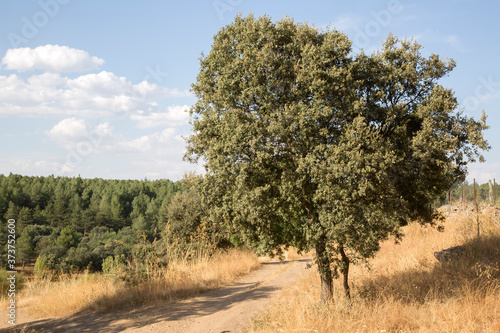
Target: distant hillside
point(76, 223)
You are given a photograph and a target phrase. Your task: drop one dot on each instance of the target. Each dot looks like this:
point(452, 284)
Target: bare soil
point(227, 309)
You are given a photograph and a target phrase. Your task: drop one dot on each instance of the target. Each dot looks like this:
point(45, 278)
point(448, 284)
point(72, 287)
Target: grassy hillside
point(406, 289)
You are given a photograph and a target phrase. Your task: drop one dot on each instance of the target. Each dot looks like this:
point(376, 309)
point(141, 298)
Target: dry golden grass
point(406, 289)
point(95, 292)
point(292, 254)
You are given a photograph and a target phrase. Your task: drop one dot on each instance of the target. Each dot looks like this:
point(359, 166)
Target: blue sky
point(100, 88)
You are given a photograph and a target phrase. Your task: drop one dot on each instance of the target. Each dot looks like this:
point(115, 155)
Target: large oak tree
point(310, 145)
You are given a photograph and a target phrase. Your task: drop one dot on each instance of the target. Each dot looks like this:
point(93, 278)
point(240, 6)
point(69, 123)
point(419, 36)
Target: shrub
point(114, 265)
point(53, 255)
point(41, 268)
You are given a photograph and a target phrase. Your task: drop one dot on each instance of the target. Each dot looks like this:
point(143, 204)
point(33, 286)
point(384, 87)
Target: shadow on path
point(257, 285)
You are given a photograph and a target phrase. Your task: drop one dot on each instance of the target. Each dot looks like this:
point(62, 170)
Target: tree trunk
point(345, 272)
point(325, 271)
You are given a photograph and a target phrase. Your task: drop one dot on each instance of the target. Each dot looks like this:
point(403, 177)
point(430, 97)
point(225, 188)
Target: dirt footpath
point(228, 309)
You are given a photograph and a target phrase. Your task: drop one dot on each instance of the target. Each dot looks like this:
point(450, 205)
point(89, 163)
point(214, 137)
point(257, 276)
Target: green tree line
point(75, 223)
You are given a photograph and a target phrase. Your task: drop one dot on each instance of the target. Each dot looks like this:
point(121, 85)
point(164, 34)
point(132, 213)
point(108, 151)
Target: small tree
point(41, 268)
point(306, 144)
point(68, 237)
point(184, 215)
point(26, 246)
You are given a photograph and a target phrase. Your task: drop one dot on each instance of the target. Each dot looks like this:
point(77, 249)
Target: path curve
point(225, 310)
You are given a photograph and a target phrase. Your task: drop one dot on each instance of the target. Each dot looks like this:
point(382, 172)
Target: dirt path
point(228, 309)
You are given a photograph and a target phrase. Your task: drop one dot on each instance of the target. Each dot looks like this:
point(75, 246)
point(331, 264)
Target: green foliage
point(185, 212)
point(482, 193)
point(12, 211)
point(41, 268)
point(69, 213)
point(26, 246)
point(68, 237)
point(92, 250)
point(308, 144)
point(114, 265)
point(148, 261)
point(235, 241)
point(52, 256)
point(33, 239)
point(82, 203)
point(46, 241)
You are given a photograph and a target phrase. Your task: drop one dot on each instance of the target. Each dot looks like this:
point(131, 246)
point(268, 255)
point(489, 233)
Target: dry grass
point(406, 289)
point(95, 292)
point(292, 254)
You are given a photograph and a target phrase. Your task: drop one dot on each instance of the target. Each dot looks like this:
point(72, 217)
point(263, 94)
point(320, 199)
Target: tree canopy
point(310, 145)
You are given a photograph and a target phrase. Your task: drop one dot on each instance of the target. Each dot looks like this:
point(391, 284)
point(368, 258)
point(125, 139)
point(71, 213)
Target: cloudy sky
point(101, 88)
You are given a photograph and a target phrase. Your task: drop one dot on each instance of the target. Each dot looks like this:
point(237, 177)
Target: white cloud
point(174, 115)
point(483, 172)
point(168, 135)
point(176, 92)
point(92, 148)
point(144, 143)
point(159, 155)
point(146, 88)
point(156, 143)
point(81, 140)
point(155, 155)
point(76, 134)
point(104, 129)
point(102, 94)
point(92, 95)
point(70, 129)
point(30, 167)
point(48, 167)
point(103, 83)
point(46, 80)
point(50, 58)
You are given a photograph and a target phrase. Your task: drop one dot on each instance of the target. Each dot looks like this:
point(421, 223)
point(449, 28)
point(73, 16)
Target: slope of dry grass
point(406, 289)
point(96, 292)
